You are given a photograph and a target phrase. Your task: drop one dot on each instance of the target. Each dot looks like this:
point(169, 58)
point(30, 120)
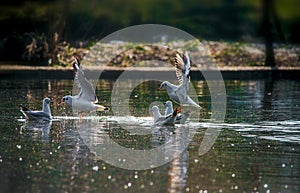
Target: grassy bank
point(222, 54)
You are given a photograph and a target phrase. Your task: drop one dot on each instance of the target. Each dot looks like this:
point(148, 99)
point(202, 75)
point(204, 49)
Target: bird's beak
point(61, 101)
point(158, 88)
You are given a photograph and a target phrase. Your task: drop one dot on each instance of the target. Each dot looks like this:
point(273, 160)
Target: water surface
point(258, 149)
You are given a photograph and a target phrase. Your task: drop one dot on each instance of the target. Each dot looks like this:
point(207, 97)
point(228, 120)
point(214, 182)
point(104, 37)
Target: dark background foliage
point(82, 22)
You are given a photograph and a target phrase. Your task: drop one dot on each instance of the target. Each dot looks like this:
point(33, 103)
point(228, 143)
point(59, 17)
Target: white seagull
point(44, 114)
point(180, 118)
point(179, 93)
point(164, 120)
point(86, 100)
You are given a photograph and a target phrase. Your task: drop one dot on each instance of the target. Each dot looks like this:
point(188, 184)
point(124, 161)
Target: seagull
point(179, 93)
point(44, 114)
point(86, 100)
point(180, 118)
point(164, 120)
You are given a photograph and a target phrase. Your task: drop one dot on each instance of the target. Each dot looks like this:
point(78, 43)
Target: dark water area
point(257, 150)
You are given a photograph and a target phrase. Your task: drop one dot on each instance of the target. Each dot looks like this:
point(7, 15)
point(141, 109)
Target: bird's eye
point(66, 99)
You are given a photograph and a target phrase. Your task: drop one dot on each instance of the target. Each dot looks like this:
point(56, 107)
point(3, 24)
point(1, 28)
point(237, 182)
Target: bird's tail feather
point(23, 108)
point(101, 108)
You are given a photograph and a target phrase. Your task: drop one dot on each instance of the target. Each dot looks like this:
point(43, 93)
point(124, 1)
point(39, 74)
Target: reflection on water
point(38, 130)
point(258, 149)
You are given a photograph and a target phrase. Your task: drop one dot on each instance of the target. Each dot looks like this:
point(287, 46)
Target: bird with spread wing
point(86, 100)
point(179, 93)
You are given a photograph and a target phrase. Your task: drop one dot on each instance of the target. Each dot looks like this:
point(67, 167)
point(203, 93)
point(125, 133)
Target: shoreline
point(9, 72)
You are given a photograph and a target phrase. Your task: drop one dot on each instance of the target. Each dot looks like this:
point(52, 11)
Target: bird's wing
point(170, 119)
point(169, 110)
point(36, 115)
point(87, 91)
point(182, 64)
point(181, 118)
point(22, 108)
point(182, 94)
point(190, 101)
point(157, 116)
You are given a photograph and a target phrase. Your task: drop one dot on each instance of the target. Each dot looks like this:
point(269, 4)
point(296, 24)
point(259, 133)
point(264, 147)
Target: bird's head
point(47, 101)
point(169, 104)
point(155, 109)
point(67, 99)
point(163, 85)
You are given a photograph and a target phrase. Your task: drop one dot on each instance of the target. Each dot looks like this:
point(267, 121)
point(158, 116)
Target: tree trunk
point(267, 32)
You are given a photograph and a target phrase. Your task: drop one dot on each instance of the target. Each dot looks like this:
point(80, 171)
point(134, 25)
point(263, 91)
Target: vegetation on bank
point(125, 54)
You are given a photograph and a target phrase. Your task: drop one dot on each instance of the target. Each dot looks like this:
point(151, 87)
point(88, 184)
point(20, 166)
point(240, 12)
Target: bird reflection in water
point(37, 130)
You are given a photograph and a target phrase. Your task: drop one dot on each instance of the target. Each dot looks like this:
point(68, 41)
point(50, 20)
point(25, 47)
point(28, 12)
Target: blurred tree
point(267, 32)
point(270, 20)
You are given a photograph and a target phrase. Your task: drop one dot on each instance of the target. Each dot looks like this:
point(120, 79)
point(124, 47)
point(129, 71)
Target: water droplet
point(265, 185)
point(283, 165)
point(109, 177)
point(233, 175)
point(217, 169)
point(50, 152)
point(142, 186)
point(187, 189)
point(136, 176)
point(151, 183)
point(286, 186)
point(129, 184)
point(196, 160)
point(125, 186)
point(19, 146)
point(104, 168)
point(96, 168)
point(232, 145)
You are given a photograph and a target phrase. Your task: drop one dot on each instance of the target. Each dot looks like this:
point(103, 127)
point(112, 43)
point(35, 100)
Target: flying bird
point(179, 93)
point(86, 100)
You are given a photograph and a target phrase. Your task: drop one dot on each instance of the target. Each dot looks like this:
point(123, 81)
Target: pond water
point(257, 150)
